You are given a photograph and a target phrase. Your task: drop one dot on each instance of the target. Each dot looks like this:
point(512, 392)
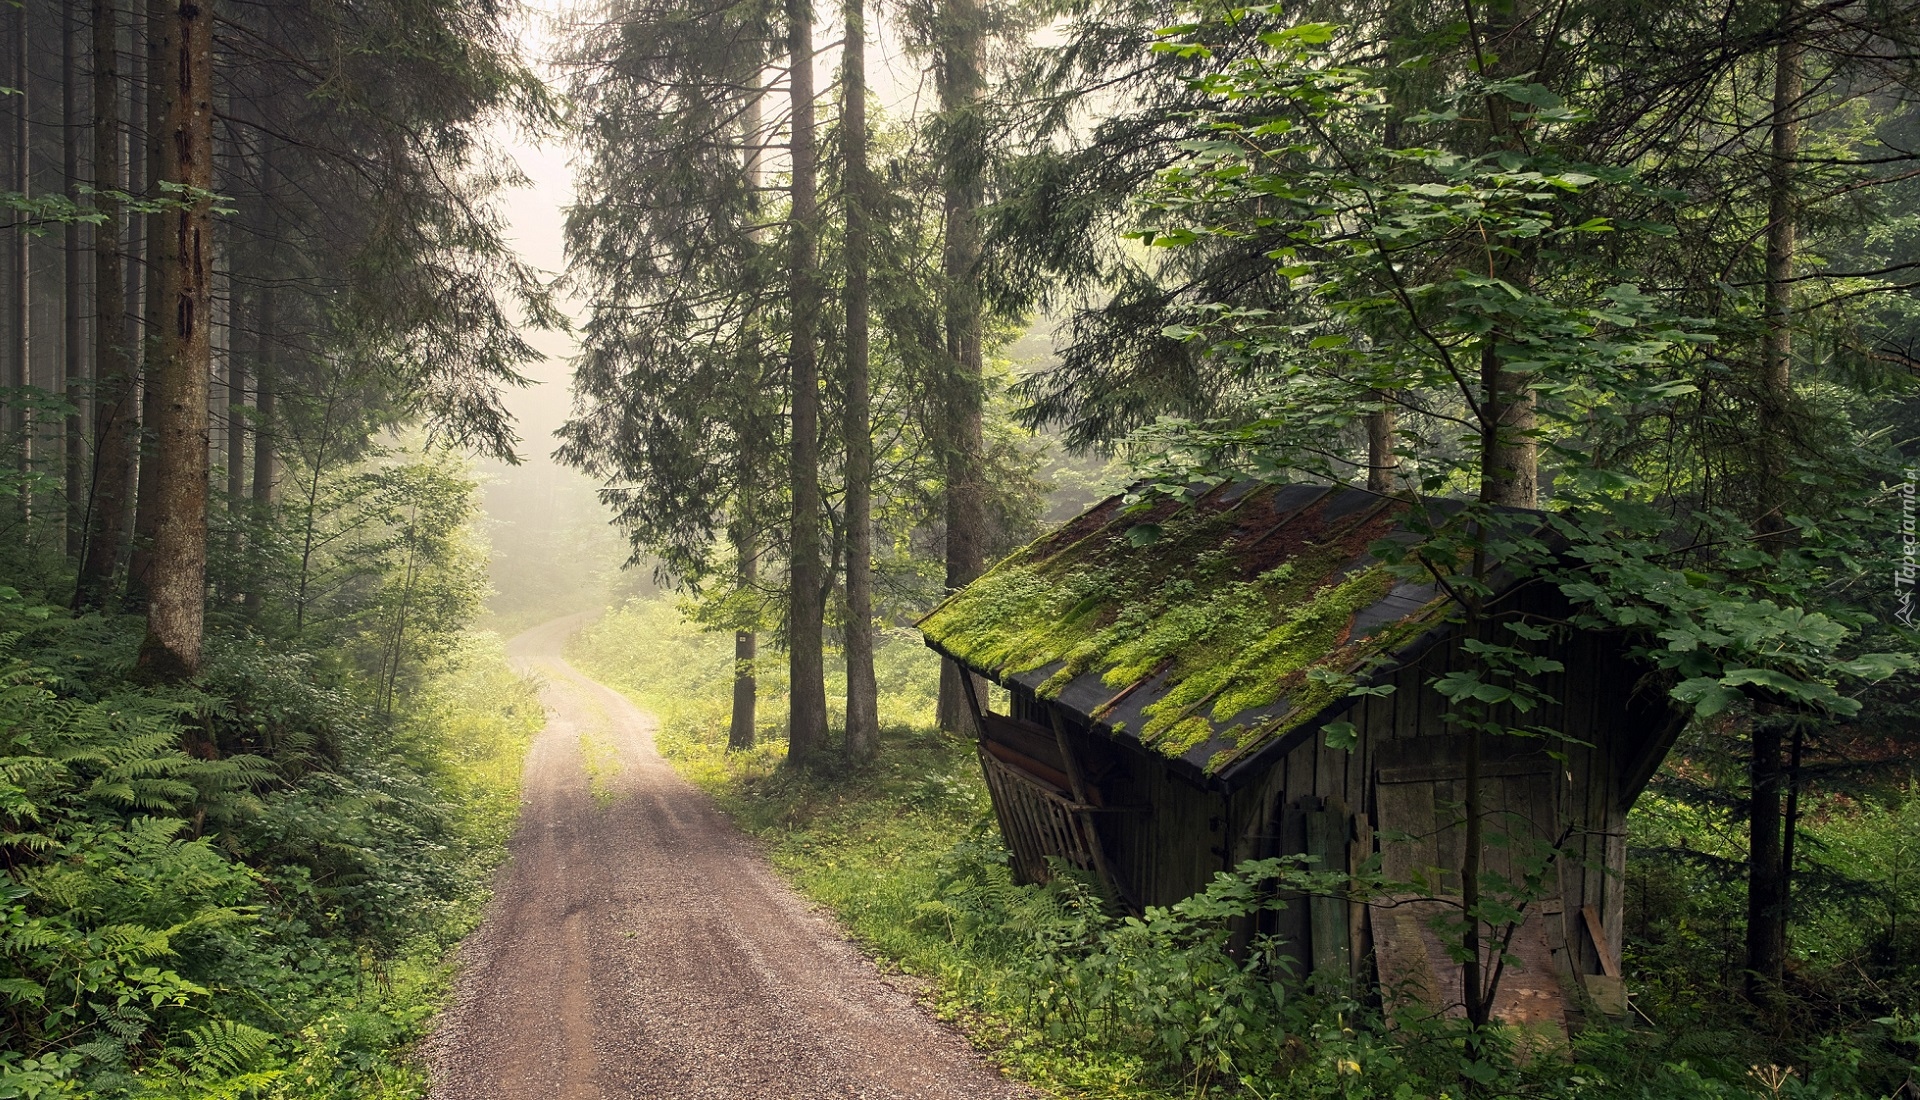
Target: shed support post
point(973, 702)
point(1079, 786)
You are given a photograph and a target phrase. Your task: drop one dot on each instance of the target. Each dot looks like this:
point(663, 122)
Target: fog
point(553, 550)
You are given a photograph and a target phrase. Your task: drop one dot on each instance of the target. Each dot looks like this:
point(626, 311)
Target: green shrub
point(243, 888)
point(1090, 1003)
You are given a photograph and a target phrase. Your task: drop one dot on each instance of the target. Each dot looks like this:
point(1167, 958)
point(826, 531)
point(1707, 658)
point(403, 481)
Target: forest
point(871, 310)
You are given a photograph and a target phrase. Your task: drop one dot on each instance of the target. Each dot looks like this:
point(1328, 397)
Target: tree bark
point(236, 429)
point(160, 91)
point(1382, 463)
point(806, 593)
point(19, 369)
point(743, 728)
point(1509, 454)
point(113, 423)
point(176, 604)
point(266, 463)
point(1766, 866)
point(132, 251)
point(72, 443)
point(1776, 351)
point(1766, 878)
point(961, 86)
point(863, 717)
point(742, 731)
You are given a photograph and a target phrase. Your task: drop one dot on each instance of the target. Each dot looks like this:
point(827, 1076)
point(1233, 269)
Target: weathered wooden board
point(1421, 829)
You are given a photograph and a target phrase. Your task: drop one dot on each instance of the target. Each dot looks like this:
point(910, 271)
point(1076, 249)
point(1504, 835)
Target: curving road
point(638, 945)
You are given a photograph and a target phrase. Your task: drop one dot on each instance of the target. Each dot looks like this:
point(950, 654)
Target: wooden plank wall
point(1268, 816)
point(1178, 834)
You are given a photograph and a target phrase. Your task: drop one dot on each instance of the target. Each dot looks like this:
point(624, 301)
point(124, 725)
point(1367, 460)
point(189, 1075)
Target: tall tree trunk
point(863, 717)
point(160, 92)
point(72, 444)
point(806, 599)
point(1777, 352)
point(743, 728)
point(1509, 455)
point(136, 153)
point(961, 86)
point(1766, 868)
point(113, 423)
point(236, 423)
point(176, 602)
point(266, 463)
point(19, 369)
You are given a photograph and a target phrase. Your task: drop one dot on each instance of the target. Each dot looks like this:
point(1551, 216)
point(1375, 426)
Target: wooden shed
point(1172, 672)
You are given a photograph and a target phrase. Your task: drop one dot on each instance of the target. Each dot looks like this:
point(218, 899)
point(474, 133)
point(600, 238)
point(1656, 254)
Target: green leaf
point(1341, 735)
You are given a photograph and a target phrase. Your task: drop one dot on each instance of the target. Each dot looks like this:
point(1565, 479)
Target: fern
point(226, 1049)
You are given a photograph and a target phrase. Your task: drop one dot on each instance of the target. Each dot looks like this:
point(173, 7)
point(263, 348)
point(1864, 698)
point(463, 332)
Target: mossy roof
point(1245, 619)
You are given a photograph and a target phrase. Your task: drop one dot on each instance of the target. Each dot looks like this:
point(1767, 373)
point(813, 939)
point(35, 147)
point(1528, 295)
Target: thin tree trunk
point(19, 370)
point(266, 464)
point(741, 731)
point(1479, 995)
point(807, 691)
point(236, 428)
point(1776, 351)
point(961, 87)
point(113, 424)
point(131, 256)
point(1766, 870)
point(863, 718)
point(176, 604)
point(72, 371)
point(159, 93)
point(1766, 882)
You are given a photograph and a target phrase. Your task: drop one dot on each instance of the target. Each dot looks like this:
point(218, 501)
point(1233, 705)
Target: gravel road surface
point(639, 946)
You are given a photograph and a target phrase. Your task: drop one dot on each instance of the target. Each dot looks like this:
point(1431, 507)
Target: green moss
point(1179, 606)
point(1182, 737)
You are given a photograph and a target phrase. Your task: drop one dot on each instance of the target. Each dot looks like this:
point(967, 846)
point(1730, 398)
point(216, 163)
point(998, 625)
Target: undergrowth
point(247, 887)
point(1081, 1001)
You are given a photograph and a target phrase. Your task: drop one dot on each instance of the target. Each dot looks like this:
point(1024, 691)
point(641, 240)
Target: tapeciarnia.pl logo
point(1903, 574)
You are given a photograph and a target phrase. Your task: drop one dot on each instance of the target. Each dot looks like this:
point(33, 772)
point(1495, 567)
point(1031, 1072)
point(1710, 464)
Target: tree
point(806, 583)
point(863, 720)
point(176, 603)
point(678, 407)
point(70, 444)
point(1455, 276)
point(110, 487)
point(20, 306)
point(962, 136)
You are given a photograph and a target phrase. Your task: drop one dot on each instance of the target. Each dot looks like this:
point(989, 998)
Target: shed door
point(1421, 813)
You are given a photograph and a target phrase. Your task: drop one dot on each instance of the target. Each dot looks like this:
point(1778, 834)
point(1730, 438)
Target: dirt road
point(640, 947)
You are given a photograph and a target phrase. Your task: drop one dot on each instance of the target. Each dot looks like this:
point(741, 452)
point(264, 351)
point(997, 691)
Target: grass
point(905, 853)
point(872, 845)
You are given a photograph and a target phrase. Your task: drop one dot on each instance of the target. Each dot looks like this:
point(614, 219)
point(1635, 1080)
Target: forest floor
point(640, 946)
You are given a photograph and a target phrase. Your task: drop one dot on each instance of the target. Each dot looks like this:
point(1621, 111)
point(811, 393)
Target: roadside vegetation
point(1084, 1002)
point(247, 886)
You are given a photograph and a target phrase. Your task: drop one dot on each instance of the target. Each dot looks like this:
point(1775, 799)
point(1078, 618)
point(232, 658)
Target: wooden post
point(1079, 786)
